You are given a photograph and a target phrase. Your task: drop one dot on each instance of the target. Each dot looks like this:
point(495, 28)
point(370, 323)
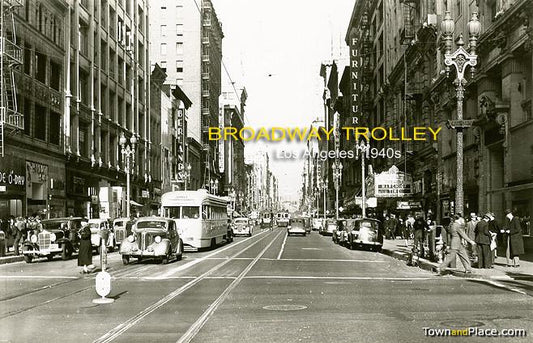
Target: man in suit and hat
point(515, 242)
point(456, 231)
point(482, 239)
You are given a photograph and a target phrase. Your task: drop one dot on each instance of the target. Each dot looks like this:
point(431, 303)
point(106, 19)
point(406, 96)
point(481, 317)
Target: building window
point(84, 140)
point(55, 75)
point(179, 29)
point(40, 67)
point(55, 128)
point(84, 39)
point(179, 48)
point(40, 117)
point(84, 88)
point(163, 49)
point(164, 66)
point(27, 59)
point(27, 116)
point(163, 30)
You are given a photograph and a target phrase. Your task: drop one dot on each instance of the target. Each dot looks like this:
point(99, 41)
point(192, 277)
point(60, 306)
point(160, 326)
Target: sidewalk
point(10, 257)
point(397, 249)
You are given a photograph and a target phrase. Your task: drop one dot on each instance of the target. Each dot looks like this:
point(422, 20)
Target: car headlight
point(289, 226)
point(131, 239)
point(53, 237)
point(33, 238)
point(157, 239)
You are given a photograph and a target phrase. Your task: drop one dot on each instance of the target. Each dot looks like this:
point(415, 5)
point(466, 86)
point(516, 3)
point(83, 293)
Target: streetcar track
point(36, 290)
point(123, 327)
point(21, 310)
point(200, 322)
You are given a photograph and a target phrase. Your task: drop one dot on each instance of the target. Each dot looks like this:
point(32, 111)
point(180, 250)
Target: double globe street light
point(460, 59)
point(128, 155)
point(337, 176)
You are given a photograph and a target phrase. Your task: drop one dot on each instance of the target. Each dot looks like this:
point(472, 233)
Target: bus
point(201, 218)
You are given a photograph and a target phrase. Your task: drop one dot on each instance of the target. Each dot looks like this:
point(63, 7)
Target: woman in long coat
point(85, 255)
point(516, 242)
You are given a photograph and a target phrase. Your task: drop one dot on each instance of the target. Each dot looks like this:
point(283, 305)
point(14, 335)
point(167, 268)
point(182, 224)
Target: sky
point(274, 48)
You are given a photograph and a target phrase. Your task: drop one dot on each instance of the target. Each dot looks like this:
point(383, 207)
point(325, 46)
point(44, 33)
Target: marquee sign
point(392, 184)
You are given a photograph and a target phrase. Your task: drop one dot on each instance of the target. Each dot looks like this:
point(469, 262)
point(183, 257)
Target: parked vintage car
point(153, 237)
point(317, 223)
point(343, 235)
point(242, 226)
point(328, 226)
point(366, 232)
point(59, 236)
point(121, 226)
point(101, 231)
point(307, 224)
point(296, 226)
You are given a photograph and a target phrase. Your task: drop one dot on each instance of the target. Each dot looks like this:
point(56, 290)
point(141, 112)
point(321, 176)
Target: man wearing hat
point(515, 242)
point(482, 239)
point(471, 233)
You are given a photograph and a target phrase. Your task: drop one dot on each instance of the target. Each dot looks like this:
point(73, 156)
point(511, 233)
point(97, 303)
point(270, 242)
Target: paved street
point(267, 288)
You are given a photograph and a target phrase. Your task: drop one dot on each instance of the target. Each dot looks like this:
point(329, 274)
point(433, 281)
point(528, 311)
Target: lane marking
point(194, 262)
point(297, 277)
point(121, 328)
point(500, 285)
point(321, 260)
point(282, 246)
point(37, 277)
point(311, 248)
point(197, 326)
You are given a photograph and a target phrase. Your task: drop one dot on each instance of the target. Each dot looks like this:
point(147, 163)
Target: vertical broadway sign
point(355, 76)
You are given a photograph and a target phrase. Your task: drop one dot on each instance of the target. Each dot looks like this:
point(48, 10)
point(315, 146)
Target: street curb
point(11, 259)
point(422, 263)
point(431, 266)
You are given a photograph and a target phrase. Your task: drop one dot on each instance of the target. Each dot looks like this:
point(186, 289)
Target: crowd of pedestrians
point(19, 229)
point(475, 242)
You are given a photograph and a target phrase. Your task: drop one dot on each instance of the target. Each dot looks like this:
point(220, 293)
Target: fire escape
point(11, 57)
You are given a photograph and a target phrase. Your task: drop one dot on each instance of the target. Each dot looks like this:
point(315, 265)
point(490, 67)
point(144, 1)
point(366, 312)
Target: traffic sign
point(103, 288)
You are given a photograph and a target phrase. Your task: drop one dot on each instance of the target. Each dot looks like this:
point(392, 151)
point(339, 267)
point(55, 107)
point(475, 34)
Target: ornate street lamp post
point(460, 59)
point(128, 155)
point(337, 175)
point(362, 149)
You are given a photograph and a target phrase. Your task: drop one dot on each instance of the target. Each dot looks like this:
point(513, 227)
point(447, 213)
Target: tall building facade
point(186, 41)
point(107, 92)
point(403, 84)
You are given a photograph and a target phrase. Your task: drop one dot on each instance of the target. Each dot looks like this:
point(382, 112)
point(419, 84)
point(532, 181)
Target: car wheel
point(50, 257)
point(166, 259)
point(213, 244)
point(179, 254)
point(125, 259)
point(66, 252)
point(378, 248)
point(28, 258)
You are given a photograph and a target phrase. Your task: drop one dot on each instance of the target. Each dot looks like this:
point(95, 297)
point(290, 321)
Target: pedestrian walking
point(85, 254)
point(419, 226)
point(483, 239)
point(20, 232)
point(515, 242)
point(456, 248)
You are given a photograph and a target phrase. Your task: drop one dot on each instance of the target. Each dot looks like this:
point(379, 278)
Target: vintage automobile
point(307, 224)
point(242, 226)
point(152, 237)
point(120, 229)
point(296, 226)
point(59, 236)
point(366, 232)
point(317, 224)
point(348, 224)
point(101, 232)
point(328, 227)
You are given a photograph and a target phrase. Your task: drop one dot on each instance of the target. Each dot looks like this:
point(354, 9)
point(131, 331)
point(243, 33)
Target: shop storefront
point(12, 187)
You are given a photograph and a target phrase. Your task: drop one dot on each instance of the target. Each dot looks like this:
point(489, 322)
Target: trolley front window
point(182, 212)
